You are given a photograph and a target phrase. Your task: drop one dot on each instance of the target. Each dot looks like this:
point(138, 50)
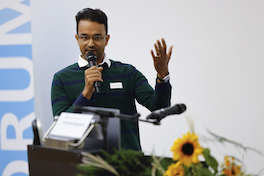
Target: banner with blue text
point(16, 86)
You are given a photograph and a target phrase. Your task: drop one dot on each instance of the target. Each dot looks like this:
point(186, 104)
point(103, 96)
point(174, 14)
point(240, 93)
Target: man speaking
point(96, 80)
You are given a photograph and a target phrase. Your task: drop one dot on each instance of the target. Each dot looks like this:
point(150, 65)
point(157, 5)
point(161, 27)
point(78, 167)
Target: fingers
point(169, 53)
point(152, 54)
point(164, 46)
point(160, 48)
point(93, 74)
point(157, 49)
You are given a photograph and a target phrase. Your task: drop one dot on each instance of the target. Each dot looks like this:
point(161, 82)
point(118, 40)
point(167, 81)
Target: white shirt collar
point(83, 63)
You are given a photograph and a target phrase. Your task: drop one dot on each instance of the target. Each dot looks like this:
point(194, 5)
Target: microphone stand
point(155, 117)
point(112, 112)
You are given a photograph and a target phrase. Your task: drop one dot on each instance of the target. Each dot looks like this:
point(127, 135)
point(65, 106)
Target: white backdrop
point(216, 65)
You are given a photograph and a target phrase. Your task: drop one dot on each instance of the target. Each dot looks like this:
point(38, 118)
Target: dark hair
point(95, 15)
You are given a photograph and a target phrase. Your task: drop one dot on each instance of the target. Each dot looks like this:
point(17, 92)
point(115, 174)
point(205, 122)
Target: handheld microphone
point(161, 113)
point(91, 58)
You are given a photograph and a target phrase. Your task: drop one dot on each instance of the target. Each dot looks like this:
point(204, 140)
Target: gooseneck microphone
point(92, 61)
point(161, 113)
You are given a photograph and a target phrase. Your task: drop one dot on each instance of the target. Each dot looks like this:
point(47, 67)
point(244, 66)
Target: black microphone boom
point(92, 61)
point(161, 113)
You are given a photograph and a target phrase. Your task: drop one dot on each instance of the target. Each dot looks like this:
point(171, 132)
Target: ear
point(107, 39)
point(76, 37)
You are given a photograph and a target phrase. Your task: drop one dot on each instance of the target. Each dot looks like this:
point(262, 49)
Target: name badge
point(116, 85)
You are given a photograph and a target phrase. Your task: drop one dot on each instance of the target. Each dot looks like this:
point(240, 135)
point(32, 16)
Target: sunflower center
point(187, 149)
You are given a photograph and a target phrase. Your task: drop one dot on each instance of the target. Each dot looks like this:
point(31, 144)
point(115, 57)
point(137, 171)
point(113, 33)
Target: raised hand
point(162, 58)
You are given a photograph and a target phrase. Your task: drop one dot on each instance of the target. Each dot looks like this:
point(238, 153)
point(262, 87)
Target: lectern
point(45, 161)
point(59, 155)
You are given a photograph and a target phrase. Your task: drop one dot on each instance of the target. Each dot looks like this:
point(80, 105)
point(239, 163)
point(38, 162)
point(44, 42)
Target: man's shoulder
point(121, 64)
point(68, 68)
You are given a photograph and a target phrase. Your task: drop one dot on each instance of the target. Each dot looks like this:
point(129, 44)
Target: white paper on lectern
point(71, 125)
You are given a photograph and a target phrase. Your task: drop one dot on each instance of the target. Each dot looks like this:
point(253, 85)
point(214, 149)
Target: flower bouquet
point(189, 159)
point(185, 154)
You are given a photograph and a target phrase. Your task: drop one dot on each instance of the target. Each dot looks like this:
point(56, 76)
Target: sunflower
point(227, 161)
point(187, 149)
point(227, 172)
point(230, 168)
point(175, 169)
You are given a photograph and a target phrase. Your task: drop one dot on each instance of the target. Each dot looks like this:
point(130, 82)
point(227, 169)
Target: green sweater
point(68, 84)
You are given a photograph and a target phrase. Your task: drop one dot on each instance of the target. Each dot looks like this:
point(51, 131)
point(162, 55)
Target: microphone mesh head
point(183, 107)
point(91, 56)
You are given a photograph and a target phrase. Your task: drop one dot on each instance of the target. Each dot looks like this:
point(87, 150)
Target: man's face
point(90, 30)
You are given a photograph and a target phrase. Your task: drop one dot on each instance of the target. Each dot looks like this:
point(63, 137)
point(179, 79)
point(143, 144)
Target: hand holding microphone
point(93, 76)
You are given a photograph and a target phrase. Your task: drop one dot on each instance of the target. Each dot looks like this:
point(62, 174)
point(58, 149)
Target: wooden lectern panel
point(45, 161)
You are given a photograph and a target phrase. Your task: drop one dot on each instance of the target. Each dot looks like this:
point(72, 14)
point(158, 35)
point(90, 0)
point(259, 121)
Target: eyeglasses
point(98, 39)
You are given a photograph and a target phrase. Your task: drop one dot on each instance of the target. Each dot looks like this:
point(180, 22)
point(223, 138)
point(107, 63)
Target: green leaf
point(213, 163)
point(206, 152)
point(204, 172)
point(187, 171)
point(210, 161)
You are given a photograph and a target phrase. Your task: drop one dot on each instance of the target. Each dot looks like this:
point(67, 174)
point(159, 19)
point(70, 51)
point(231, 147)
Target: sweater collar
point(84, 63)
